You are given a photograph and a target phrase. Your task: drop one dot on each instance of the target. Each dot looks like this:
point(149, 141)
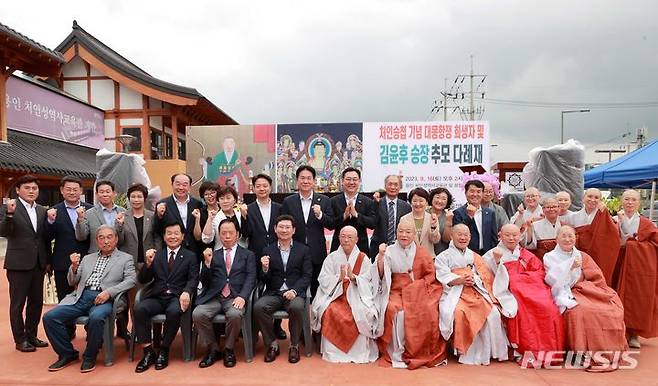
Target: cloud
point(339, 61)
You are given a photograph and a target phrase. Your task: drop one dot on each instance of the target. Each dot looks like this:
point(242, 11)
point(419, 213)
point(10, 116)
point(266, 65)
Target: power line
point(597, 105)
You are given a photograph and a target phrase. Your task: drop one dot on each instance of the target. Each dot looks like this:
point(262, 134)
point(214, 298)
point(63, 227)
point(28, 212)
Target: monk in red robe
point(533, 321)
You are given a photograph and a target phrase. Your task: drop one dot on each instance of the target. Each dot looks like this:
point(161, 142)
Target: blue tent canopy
point(633, 170)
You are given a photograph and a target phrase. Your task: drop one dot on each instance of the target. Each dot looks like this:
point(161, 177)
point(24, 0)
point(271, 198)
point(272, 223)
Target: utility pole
point(473, 90)
point(456, 94)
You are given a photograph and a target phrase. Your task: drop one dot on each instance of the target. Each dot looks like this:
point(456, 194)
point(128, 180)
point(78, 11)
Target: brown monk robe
point(636, 280)
point(597, 234)
point(408, 285)
point(597, 322)
point(600, 240)
point(593, 313)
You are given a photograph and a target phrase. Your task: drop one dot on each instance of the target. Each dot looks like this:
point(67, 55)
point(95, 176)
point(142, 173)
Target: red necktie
point(170, 262)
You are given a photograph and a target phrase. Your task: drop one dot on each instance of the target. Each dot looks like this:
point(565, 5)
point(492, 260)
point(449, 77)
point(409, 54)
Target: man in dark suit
point(174, 271)
point(353, 208)
point(99, 278)
point(60, 227)
point(261, 214)
point(228, 277)
point(22, 222)
point(312, 213)
point(178, 208)
point(480, 220)
point(286, 270)
point(389, 211)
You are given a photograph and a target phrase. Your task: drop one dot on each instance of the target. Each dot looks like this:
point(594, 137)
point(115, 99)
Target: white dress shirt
point(31, 212)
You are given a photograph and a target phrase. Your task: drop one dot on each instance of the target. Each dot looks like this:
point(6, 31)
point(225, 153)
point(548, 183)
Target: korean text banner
point(426, 154)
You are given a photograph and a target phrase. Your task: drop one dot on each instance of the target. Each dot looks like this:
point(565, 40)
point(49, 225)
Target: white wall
point(110, 133)
point(102, 94)
point(129, 98)
point(75, 67)
point(95, 72)
point(137, 122)
point(77, 88)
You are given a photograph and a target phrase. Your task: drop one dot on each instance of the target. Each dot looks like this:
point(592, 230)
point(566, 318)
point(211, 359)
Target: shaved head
point(349, 230)
point(509, 235)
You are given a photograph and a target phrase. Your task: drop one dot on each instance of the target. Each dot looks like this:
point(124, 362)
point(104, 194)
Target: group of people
point(429, 281)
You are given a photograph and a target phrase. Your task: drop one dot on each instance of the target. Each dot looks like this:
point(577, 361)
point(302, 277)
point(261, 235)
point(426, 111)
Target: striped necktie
point(390, 234)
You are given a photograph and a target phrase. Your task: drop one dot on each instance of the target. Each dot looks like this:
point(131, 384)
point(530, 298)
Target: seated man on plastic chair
point(99, 278)
point(174, 271)
point(228, 277)
point(286, 270)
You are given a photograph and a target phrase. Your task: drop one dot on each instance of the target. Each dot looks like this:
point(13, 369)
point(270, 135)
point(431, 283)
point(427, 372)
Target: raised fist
point(52, 214)
point(382, 248)
point(497, 255)
point(121, 217)
point(470, 210)
point(376, 196)
point(11, 206)
point(196, 213)
point(435, 220)
point(207, 256)
point(149, 255)
point(265, 262)
point(317, 210)
point(81, 213)
point(75, 259)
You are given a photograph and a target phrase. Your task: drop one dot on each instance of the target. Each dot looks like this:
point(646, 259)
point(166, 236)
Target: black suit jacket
point(172, 215)
point(241, 280)
point(367, 219)
point(311, 231)
point(63, 232)
point(379, 236)
point(26, 249)
point(254, 227)
point(184, 275)
point(296, 274)
point(489, 228)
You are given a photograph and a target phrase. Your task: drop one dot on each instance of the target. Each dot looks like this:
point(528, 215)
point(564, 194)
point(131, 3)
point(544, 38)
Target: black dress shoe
point(62, 363)
point(293, 354)
point(25, 346)
point(163, 359)
point(147, 360)
point(271, 354)
point(36, 342)
point(211, 357)
point(229, 358)
point(87, 365)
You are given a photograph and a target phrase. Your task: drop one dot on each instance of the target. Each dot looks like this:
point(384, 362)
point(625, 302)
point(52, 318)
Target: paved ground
point(30, 368)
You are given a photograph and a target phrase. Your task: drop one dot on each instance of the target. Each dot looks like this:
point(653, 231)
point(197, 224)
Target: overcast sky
point(345, 61)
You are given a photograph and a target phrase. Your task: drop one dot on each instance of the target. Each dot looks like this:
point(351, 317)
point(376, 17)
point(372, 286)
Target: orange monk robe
point(408, 298)
point(636, 278)
point(470, 313)
point(600, 240)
